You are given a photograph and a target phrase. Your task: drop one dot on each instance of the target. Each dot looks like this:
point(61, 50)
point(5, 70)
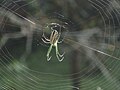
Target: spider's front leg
point(45, 37)
point(45, 40)
point(60, 41)
point(58, 55)
point(48, 53)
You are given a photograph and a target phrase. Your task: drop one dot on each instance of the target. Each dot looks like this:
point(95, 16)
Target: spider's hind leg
point(58, 55)
point(48, 58)
point(61, 55)
point(48, 53)
point(59, 58)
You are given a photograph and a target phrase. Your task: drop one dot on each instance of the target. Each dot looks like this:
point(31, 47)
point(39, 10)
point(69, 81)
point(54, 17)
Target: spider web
point(23, 54)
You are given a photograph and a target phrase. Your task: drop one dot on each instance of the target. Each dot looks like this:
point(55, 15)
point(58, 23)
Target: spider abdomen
point(54, 37)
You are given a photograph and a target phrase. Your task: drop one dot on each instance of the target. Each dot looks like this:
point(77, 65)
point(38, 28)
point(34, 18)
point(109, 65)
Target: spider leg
point(59, 58)
point(60, 41)
point(48, 53)
point(61, 55)
point(45, 41)
point(58, 55)
point(45, 37)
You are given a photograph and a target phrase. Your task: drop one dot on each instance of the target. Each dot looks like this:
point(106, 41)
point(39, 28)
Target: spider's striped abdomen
point(54, 37)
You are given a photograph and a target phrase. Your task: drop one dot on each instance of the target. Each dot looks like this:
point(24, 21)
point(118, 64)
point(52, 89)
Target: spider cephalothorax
point(53, 41)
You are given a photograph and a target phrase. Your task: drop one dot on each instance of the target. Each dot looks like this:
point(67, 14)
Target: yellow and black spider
point(54, 40)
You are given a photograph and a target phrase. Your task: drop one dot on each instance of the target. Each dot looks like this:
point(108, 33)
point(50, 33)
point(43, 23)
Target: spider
point(54, 40)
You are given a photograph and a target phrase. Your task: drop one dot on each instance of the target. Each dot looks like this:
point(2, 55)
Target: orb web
point(90, 42)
